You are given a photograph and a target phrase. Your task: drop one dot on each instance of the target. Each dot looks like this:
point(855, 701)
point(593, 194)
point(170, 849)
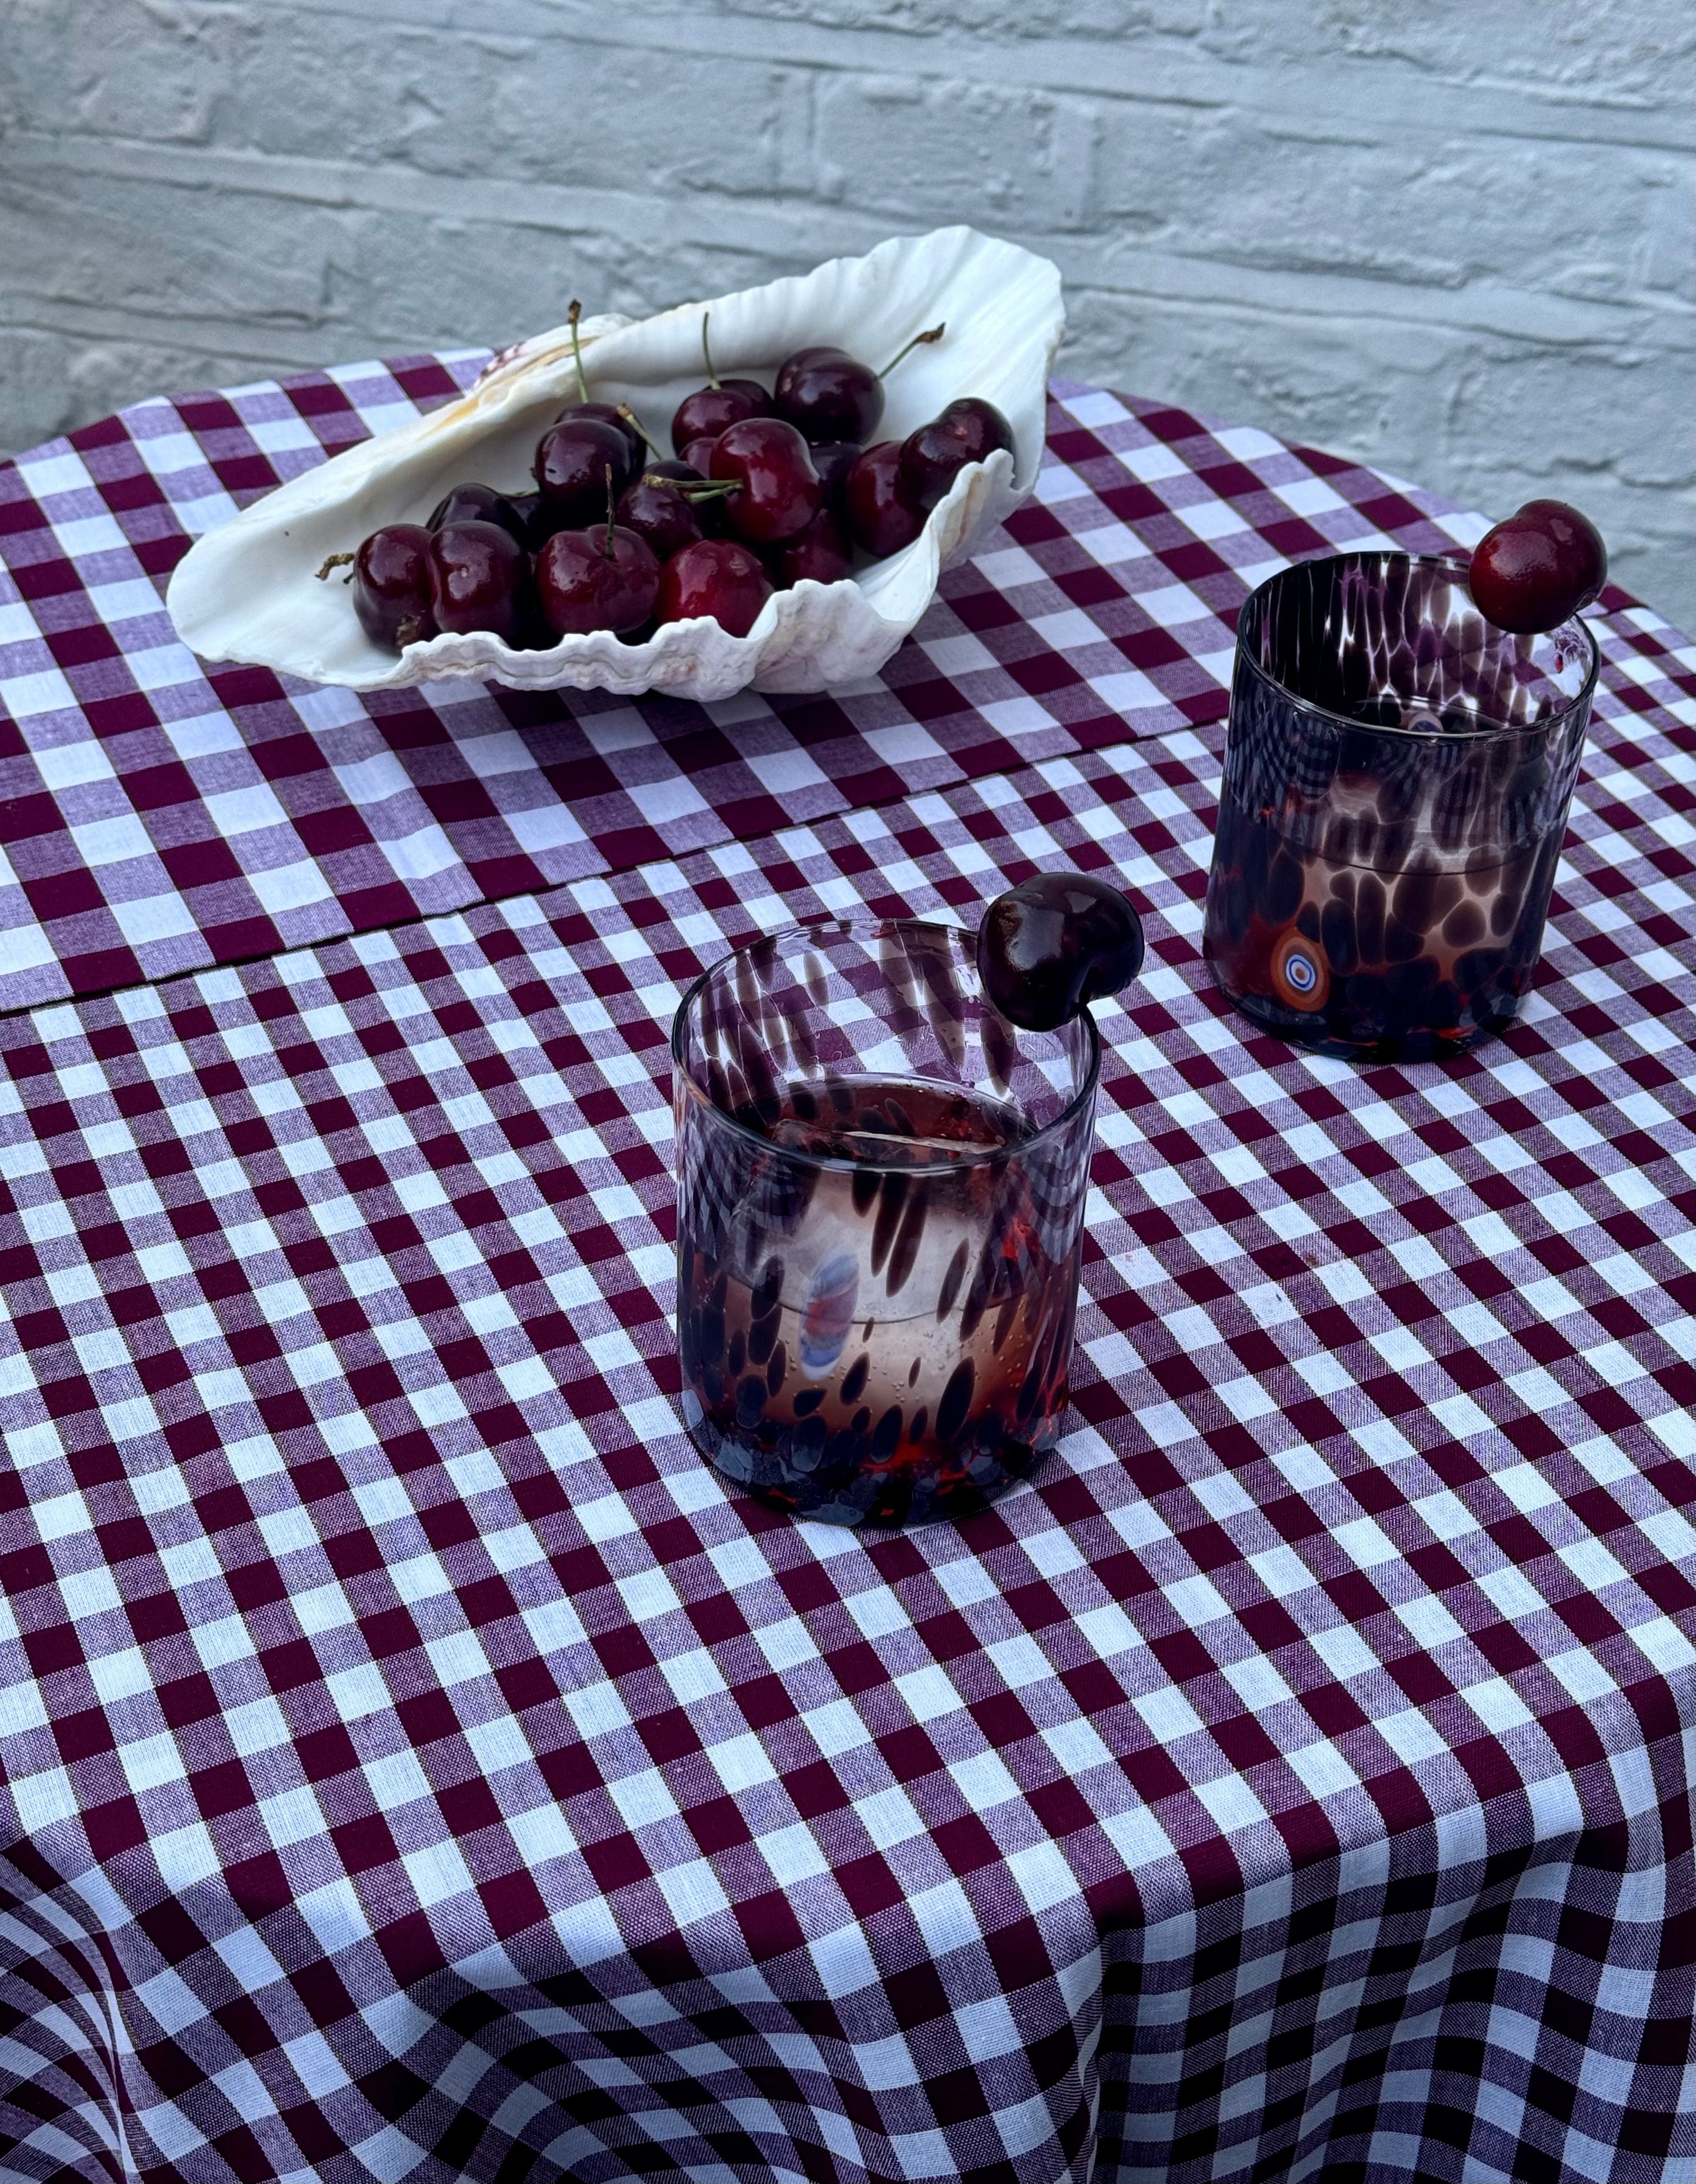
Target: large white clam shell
point(249, 591)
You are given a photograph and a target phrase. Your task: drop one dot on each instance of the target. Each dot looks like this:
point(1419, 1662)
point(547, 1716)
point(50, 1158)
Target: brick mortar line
point(1107, 69)
point(794, 221)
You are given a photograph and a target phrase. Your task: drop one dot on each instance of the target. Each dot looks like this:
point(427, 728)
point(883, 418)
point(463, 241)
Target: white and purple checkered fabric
point(157, 813)
point(413, 1763)
point(416, 1765)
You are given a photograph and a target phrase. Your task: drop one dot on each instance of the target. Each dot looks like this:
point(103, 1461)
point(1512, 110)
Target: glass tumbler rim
point(970, 1157)
point(1452, 568)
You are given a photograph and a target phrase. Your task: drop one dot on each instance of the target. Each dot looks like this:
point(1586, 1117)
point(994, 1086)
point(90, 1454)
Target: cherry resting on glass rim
point(882, 517)
point(1054, 942)
point(572, 463)
point(392, 585)
point(479, 579)
point(654, 508)
point(603, 412)
point(931, 459)
point(480, 503)
point(822, 551)
point(719, 578)
point(604, 577)
point(828, 395)
point(1538, 568)
point(781, 493)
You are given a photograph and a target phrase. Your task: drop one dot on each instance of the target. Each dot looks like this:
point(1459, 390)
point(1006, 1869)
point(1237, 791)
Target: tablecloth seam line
point(74, 1000)
point(419, 915)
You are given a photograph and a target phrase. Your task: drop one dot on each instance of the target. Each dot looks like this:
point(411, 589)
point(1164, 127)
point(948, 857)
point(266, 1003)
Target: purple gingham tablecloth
point(416, 1765)
point(413, 1763)
point(157, 813)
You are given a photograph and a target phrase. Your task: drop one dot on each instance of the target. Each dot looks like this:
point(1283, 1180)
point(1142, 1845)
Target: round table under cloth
point(414, 1764)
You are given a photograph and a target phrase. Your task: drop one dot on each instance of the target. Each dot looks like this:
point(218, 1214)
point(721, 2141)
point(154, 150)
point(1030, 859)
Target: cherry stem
point(571, 318)
point(918, 340)
point(337, 561)
point(695, 489)
point(707, 354)
point(635, 423)
point(608, 549)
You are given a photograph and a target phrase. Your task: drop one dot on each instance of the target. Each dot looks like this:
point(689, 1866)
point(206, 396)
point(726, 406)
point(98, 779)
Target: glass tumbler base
point(833, 1487)
point(1318, 1034)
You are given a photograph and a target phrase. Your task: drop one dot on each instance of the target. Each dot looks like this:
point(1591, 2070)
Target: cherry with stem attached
point(617, 416)
point(780, 491)
point(658, 506)
point(828, 395)
point(711, 409)
point(604, 578)
point(570, 458)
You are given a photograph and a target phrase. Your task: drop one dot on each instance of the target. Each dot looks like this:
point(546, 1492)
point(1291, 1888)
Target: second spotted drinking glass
point(1396, 778)
point(880, 1199)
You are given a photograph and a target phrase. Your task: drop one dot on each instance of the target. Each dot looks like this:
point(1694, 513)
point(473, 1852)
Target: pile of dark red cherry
point(767, 490)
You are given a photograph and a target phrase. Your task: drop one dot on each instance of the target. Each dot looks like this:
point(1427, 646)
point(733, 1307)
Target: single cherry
point(698, 454)
point(882, 517)
point(479, 579)
point(655, 510)
point(712, 409)
point(540, 517)
point(720, 578)
point(480, 503)
point(780, 490)
point(605, 577)
point(604, 413)
point(832, 459)
point(967, 432)
point(392, 585)
point(572, 462)
point(703, 416)
point(827, 394)
point(824, 551)
point(1054, 942)
point(1538, 568)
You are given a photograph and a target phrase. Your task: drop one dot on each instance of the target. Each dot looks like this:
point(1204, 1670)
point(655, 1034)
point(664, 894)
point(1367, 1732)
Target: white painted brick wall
point(1456, 237)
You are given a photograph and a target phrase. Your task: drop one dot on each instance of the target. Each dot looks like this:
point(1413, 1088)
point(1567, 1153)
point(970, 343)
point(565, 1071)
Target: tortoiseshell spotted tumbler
point(880, 1197)
point(1396, 778)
